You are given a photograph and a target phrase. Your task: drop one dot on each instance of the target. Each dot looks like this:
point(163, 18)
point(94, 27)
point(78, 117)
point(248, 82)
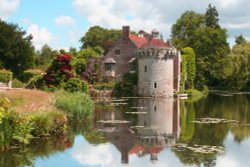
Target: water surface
point(150, 132)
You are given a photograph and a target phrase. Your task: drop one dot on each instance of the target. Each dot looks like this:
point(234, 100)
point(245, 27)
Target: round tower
point(156, 70)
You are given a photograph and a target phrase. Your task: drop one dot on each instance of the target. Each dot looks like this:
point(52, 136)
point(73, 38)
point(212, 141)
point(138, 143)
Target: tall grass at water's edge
point(76, 104)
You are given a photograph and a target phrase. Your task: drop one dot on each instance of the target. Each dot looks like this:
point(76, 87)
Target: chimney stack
point(125, 32)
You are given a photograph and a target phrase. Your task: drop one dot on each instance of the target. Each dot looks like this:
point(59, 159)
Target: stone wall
point(127, 52)
point(155, 74)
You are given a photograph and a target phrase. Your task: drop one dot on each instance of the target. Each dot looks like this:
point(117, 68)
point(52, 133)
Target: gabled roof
point(138, 41)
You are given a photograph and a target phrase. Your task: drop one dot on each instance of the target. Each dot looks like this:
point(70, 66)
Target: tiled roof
point(136, 149)
point(138, 41)
point(156, 43)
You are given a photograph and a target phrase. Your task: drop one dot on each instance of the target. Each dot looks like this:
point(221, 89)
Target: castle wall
point(157, 80)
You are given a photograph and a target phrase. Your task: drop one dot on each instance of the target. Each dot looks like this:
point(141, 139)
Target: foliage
point(188, 67)
point(48, 123)
point(30, 73)
point(60, 71)
point(76, 85)
point(80, 65)
point(17, 84)
point(236, 67)
point(203, 33)
point(126, 86)
point(5, 76)
point(77, 104)
point(87, 53)
point(45, 56)
point(240, 40)
point(16, 50)
point(100, 37)
point(104, 86)
point(36, 82)
point(211, 17)
point(91, 76)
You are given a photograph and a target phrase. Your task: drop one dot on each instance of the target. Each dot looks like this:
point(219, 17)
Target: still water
point(214, 131)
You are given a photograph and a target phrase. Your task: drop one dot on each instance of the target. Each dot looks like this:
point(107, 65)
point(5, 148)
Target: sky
point(62, 23)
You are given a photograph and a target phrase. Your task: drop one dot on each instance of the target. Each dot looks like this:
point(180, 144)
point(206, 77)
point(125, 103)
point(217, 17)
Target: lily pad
point(113, 121)
point(213, 121)
point(136, 112)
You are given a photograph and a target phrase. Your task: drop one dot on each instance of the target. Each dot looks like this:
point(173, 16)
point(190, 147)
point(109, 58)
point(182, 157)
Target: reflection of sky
point(237, 155)
point(106, 155)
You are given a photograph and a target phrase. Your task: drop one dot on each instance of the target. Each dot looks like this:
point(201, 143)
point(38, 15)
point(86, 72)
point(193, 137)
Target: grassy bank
point(29, 114)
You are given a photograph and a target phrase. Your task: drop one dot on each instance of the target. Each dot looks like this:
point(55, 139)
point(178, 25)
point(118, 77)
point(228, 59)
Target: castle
point(157, 62)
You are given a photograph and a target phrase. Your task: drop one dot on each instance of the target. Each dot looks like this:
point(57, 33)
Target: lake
point(214, 131)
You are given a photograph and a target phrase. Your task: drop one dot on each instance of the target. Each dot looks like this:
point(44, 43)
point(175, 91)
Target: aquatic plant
point(76, 104)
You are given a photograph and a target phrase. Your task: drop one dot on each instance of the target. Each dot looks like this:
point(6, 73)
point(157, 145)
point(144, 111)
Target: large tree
point(98, 36)
point(209, 41)
point(16, 50)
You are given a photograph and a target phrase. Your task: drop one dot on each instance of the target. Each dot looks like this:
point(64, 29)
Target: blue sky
point(61, 23)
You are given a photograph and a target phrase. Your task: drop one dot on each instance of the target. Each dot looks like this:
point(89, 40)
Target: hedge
point(5, 76)
point(31, 73)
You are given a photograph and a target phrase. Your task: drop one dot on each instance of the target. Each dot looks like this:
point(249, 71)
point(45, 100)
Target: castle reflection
point(154, 124)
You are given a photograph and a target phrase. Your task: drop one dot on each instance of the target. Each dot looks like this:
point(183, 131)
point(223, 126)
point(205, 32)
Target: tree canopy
point(98, 36)
point(16, 50)
point(209, 41)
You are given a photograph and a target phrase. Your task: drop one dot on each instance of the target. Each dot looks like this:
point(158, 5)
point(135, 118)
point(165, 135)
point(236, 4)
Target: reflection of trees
point(236, 107)
point(41, 147)
point(187, 116)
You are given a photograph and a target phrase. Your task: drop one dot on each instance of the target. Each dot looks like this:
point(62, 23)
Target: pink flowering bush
point(59, 72)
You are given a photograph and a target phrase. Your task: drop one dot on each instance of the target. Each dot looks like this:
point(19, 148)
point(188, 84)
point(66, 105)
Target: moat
point(214, 131)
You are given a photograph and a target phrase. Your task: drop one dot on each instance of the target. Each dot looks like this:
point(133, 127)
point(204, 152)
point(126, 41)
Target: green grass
point(76, 104)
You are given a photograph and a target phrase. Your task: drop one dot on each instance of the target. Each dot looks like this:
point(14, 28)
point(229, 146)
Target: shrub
point(105, 86)
point(76, 85)
point(126, 86)
point(77, 104)
point(60, 71)
point(5, 76)
point(48, 123)
point(17, 84)
point(31, 73)
point(36, 82)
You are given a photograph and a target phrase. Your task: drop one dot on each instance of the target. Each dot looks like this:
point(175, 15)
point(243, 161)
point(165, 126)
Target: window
point(132, 67)
point(155, 85)
point(117, 52)
point(145, 69)
point(109, 67)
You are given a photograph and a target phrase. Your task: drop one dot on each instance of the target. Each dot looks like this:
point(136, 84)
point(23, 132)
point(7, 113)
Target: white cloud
point(41, 36)
point(161, 14)
point(7, 8)
point(114, 14)
point(65, 20)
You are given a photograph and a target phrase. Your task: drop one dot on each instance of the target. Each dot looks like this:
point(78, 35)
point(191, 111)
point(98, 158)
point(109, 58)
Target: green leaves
point(16, 50)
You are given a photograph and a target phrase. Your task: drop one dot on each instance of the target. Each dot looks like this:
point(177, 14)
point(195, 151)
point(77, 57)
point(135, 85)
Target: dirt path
point(26, 100)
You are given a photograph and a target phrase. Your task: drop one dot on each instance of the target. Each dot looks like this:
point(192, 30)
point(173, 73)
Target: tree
point(236, 67)
point(240, 40)
point(203, 33)
point(183, 31)
point(211, 17)
point(98, 36)
point(16, 50)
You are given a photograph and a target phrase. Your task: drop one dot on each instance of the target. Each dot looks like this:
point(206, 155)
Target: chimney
point(125, 32)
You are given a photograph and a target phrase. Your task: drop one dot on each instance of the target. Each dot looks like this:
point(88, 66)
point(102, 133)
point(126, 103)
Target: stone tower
point(158, 69)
